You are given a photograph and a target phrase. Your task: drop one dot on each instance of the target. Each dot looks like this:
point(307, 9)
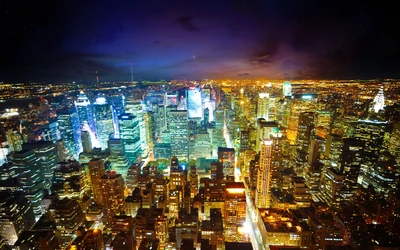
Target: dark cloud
point(243, 74)
point(187, 23)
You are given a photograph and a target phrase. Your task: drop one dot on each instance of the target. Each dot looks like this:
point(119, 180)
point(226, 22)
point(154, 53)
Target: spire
point(379, 100)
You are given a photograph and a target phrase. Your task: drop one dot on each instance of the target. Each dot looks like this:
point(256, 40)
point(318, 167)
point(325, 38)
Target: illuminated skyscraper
point(226, 157)
point(266, 107)
point(379, 101)
point(68, 122)
point(112, 188)
point(30, 178)
point(235, 210)
point(263, 191)
point(299, 104)
point(104, 121)
point(130, 134)
point(262, 106)
point(118, 107)
point(287, 89)
point(15, 215)
point(178, 127)
point(68, 216)
point(194, 103)
point(306, 125)
point(46, 152)
point(85, 112)
point(69, 180)
point(96, 171)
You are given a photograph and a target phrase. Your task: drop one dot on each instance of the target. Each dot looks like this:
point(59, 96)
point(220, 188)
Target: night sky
point(57, 41)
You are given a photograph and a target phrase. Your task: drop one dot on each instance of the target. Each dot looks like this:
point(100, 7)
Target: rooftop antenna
point(131, 73)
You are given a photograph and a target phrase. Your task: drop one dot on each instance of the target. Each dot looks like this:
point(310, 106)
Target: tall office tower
point(132, 178)
point(15, 140)
point(130, 135)
point(262, 106)
point(90, 239)
point(263, 192)
point(200, 146)
point(149, 129)
point(85, 112)
point(68, 216)
point(69, 180)
point(266, 107)
point(178, 127)
point(96, 171)
point(283, 111)
point(49, 131)
point(119, 162)
point(372, 133)
point(118, 107)
point(333, 150)
point(304, 130)
point(16, 215)
point(379, 101)
point(264, 130)
point(86, 142)
point(300, 103)
point(331, 187)
point(112, 186)
point(287, 89)
point(68, 122)
point(313, 172)
point(134, 107)
point(235, 210)
point(46, 152)
point(194, 103)
point(104, 121)
point(352, 159)
point(30, 178)
point(226, 157)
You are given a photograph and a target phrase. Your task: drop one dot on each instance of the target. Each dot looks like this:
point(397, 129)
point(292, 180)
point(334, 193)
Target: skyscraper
point(263, 191)
point(130, 135)
point(46, 152)
point(112, 186)
point(178, 126)
point(69, 180)
point(96, 171)
point(85, 112)
point(30, 178)
point(68, 122)
point(104, 121)
point(16, 215)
